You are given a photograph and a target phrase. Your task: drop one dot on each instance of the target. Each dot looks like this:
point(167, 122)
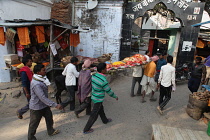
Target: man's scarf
point(28, 71)
point(43, 79)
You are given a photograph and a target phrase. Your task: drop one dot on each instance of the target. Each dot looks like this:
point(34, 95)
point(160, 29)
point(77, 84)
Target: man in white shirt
point(166, 83)
point(71, 74)
point(137, 76)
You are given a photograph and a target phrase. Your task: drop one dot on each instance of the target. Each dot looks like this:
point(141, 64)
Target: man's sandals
point(55, 132)
point(91, 130)
point(19, 115)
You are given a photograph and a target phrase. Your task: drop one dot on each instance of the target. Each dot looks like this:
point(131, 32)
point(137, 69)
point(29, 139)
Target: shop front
point(48, 41)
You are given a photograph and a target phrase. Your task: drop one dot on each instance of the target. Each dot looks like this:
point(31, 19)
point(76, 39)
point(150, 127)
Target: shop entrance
point(187, 13)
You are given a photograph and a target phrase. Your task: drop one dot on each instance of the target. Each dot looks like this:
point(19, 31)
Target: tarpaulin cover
point(23, 34)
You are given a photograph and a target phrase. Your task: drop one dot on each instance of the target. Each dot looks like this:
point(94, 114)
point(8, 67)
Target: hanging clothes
point(63, 44)
point(10, 34)
point(2, 37)
point(57, 32)
point(74, 40)
point(19, 49)
point(23, 34)
point(40, 34)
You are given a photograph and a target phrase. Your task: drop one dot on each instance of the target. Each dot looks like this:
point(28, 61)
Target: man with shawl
point(148, 83)
point(84, 89)
point(26, 77)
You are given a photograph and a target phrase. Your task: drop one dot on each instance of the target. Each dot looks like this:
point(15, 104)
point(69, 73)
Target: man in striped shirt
point(99, 87)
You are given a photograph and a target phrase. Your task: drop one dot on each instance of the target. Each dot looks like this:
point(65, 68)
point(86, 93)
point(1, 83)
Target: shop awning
point(21, 23)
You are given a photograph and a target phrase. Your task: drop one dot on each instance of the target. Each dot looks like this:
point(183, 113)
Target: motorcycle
point(182, 73)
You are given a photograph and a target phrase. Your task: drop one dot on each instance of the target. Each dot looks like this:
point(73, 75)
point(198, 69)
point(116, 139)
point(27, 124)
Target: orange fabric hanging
point(23, 34)
point(74, 39)
point(40, 34)
point(2, 37)
point(200, 44)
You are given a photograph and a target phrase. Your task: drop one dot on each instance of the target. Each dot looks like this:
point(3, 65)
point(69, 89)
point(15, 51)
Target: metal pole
point(51, 54)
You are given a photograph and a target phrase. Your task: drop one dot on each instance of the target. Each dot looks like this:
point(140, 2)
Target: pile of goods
point(198, 102)
point(65, 61)
point(105, 57)
point(83, 58)
point(202, 96)
point(135, 60)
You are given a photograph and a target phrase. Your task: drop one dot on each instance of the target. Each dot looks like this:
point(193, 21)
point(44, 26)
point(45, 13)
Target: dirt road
point(132, 120)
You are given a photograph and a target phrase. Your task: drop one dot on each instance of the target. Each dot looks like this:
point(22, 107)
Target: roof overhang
point(21, 23)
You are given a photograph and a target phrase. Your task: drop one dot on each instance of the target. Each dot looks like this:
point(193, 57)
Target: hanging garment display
point(57, 32)
point(40, 34)
point(74, 40)
point(10, 34)
point(2, 37)
point(19, 49)
point(63, 44)
point(23, 34)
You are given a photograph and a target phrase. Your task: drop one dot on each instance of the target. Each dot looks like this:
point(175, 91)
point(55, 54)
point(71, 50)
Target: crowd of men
point(157, 74)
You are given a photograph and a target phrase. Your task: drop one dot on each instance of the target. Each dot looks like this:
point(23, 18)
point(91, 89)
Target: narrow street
point(132, 120)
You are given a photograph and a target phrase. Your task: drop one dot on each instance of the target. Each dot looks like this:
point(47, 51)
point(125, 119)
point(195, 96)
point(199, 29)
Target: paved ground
point(132, 120)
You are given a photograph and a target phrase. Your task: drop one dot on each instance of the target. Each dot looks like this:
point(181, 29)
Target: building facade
point(103, 28)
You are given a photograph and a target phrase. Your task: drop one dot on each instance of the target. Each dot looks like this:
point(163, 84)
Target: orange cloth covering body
point(40, 34)
point(200, 44)
point(2, 37)
point(150, 69)
point(23, 34)
point(74, 39)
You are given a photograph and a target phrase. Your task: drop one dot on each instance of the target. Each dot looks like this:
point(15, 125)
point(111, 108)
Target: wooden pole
point(59, 35)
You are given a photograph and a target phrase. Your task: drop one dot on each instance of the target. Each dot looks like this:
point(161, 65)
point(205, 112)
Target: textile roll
point(23, 34)
point(74, 39)
point(40, 34)
point(2, 37)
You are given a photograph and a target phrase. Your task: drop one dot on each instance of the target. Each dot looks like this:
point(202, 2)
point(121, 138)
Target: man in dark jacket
point(26, 77)
point(198, 75)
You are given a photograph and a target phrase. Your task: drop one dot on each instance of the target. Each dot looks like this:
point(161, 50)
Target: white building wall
point(19, 9)
point(105, 23)
point(5, 73)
